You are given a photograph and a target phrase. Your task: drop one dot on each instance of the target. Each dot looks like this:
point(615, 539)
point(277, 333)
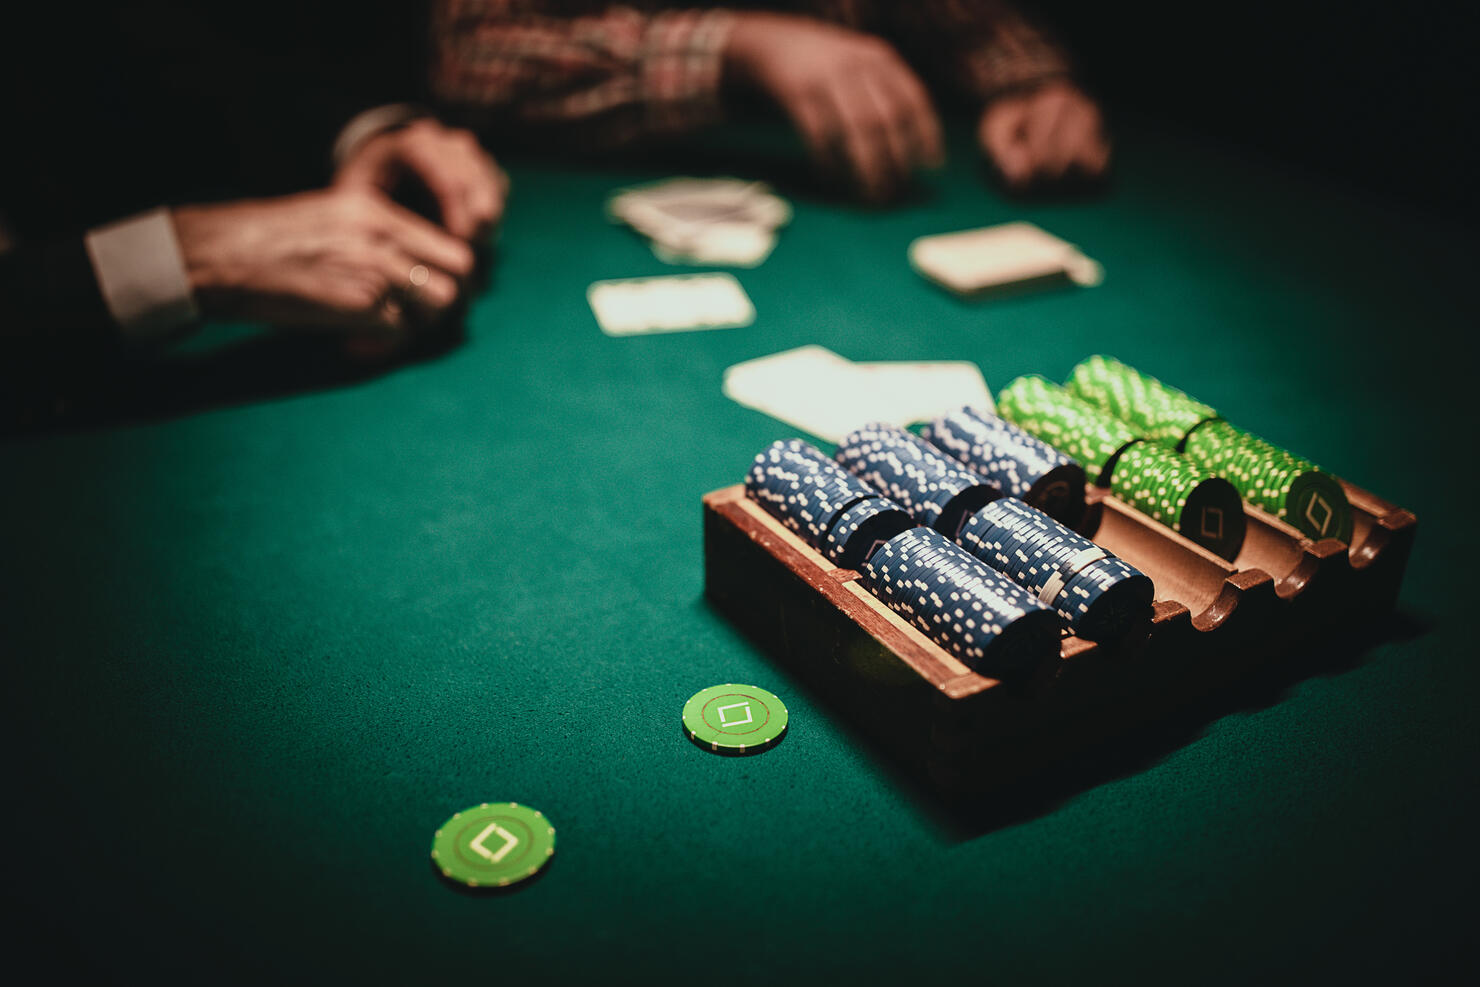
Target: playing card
point(811, 388)
point(1013, 254)
point(826, 395)
point(704, 220)
point(731, 244)
point(675, 303)
point(906, 393)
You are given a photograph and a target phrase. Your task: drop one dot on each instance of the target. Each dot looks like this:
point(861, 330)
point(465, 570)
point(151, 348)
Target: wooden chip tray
point(1213, 623)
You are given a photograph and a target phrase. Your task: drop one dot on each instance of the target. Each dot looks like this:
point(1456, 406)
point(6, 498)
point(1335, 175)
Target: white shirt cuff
point(141, 272)
point(371, 122)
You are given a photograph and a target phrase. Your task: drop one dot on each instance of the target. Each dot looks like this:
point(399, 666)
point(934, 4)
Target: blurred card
point(631, 306)
point(975, 262)
point(905, 393)
point(811, 388)
point(826, 395)
point(704, 220)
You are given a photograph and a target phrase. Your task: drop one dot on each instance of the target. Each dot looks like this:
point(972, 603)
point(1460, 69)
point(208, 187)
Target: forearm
point(612, 76)
point(990, 48)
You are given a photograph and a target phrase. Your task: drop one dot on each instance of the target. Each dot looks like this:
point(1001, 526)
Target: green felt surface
point(255, 654)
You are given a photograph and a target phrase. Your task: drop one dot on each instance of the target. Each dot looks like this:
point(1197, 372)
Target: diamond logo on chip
point(726, 721)
point(1212, 523)
point(1310, 513)
point(494, 856)
point(493, 845)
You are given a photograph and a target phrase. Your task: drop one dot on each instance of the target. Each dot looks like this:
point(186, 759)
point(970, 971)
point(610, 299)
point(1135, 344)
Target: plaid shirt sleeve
point(614, 74)
point(990, 48)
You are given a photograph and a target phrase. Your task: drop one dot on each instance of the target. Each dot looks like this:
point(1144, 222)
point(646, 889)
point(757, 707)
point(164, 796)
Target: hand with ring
point(343, 259)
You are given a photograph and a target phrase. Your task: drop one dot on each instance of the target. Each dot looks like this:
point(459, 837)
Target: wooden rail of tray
point(1213, 622)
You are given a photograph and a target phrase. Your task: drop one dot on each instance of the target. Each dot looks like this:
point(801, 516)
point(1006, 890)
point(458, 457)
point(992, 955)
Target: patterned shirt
point(613, 73)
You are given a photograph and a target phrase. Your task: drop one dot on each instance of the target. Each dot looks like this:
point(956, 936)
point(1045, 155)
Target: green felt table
point(257, 650)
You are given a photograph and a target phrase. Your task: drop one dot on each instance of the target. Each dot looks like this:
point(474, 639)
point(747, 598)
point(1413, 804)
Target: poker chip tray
point(1214, 623)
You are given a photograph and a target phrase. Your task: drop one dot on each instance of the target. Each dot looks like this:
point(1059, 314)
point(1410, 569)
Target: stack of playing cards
point(704, 220)
point(827, 395)
point(1013, 255)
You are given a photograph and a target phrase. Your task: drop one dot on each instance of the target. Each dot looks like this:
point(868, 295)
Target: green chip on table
point(493, 845)
point(735, 719)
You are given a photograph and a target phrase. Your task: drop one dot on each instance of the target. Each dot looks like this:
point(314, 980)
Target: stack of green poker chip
point(1152, 409)
point(1291, 488)
point(1065, 422)
point(1176, 492)
point(1151, 478)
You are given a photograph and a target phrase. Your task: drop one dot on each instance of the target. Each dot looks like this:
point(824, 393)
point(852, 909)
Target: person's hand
point(858, 106)
point(1044, 134)
point(343, 259)
point(467, 185)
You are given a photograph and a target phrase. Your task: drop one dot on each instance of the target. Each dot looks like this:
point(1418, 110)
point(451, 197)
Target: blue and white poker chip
point(985, 619)
point(803, 488)
point(1017, 463)
point(861, 529)
point(935, 489)
point(1099, 595)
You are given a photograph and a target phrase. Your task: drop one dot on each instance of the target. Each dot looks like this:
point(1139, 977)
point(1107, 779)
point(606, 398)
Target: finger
point(921, 123)
point(1095, 159)
point(351, 300)
point(813, 117)
point(1041, 129)
point(440, 167)
point(864, 143)
point(1002, 139)
point(1090, 150)
point(897, 139)
point(427, 291)
point(486, 194)
point(1073, 133)
point(424, 241)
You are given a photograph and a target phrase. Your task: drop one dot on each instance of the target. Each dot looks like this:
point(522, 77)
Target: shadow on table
point(63, 391)
point(1136, 749)
point(1144, 746)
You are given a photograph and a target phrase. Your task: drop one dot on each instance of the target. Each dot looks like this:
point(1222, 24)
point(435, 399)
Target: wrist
point(750, 32)
point(201, 232)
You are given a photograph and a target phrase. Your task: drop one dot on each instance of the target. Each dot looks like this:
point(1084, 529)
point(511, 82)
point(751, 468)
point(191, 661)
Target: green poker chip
point(735, 719)
point(1079, 430)
point(1291, 488)
point(493, 845)
point(1154, 410)
point(1316, 505)
point(1280, 483)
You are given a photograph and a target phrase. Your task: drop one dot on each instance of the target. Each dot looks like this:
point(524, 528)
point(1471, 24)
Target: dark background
point(1374, 96)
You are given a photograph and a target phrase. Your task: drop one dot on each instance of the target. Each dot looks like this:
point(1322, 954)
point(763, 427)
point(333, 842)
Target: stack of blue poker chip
point(934, 488)
point(1101, 596)
point(830, 508)
point(860, 530)
point(985, 619)
point(802, 488)
point(1017, 463)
